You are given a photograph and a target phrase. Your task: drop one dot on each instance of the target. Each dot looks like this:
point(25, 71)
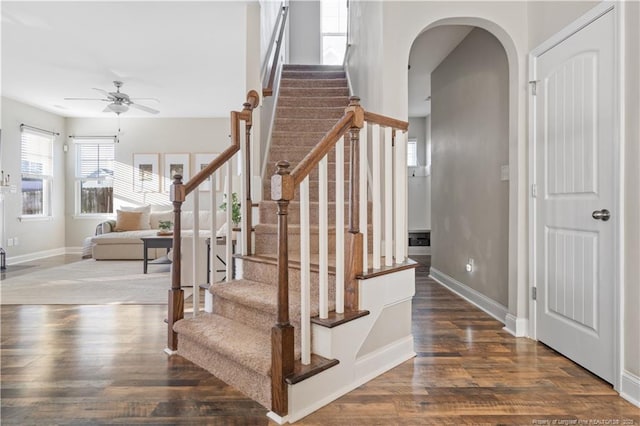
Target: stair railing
point(389, 164)
point(178, 193)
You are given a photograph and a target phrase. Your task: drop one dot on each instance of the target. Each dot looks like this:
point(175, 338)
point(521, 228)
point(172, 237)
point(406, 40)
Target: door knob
point(603, 215)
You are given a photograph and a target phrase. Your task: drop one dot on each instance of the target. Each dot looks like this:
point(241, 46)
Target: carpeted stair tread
point(261, 296)
point(244, 344)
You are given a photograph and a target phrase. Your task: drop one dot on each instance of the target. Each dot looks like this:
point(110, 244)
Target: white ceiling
point(182, 53)
point(428, 51)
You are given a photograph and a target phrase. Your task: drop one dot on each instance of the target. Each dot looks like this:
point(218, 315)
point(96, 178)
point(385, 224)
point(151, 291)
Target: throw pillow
point(129, 221)
point(145, 210)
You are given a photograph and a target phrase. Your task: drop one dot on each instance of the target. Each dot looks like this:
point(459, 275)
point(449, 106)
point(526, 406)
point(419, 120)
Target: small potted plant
point(236, 214)
point(165, 227)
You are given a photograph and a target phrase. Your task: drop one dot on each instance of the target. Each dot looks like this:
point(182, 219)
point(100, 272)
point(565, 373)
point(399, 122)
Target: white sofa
point(108, 244)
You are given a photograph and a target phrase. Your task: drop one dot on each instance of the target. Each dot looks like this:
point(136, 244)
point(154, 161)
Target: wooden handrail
point(252, 101)
point(282, 19)
point(323, 147)
point(384, 121)
point(178, 194)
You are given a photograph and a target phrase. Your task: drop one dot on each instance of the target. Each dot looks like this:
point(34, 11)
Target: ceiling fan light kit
point(119, 102)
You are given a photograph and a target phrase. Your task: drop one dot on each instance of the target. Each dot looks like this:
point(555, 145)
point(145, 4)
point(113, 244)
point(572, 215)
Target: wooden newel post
point(353, 247)
point(176, 294)
point(282, 191)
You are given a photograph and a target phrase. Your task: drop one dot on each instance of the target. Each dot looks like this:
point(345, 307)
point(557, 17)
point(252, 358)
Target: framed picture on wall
point(146, 176)
point(201, 161)
point(175, 164)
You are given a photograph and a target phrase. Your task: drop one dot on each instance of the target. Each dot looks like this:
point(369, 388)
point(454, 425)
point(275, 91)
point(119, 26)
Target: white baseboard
point(73, 250)
point(474, 297)
point(630, 388)
point(518, 327)
point(14, 260)
point(278, 419)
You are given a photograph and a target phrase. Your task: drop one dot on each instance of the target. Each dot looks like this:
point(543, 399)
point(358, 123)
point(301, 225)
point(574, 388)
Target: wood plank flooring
point(105, 365)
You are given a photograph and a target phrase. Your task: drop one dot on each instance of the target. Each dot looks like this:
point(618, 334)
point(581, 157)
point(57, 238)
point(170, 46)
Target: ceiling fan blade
point(144, 108)
point(104, 92)
point(145, 99)
point(85, 99)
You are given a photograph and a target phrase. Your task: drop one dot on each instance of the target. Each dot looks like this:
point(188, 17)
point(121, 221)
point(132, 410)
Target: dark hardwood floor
point(105, 365)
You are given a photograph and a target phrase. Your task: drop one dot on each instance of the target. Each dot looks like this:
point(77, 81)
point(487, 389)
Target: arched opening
point(462, 110)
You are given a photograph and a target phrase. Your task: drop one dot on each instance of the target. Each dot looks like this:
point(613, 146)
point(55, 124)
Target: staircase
point(232, 341)
point(308, 320)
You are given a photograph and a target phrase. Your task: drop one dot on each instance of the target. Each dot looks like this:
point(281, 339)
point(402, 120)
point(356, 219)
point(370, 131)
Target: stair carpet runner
point(233, 342)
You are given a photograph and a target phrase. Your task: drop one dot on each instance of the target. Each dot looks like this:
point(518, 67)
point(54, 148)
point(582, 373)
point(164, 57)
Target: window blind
point(36, 157)
point(95, 160)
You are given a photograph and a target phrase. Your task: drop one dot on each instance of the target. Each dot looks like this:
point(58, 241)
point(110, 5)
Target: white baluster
point(195, 267)
point(400, 171)
point(228, 190)
point(242, 169)
point(388, 198)
point(323, 232)
point(376, 195)
point(340, 226)
point(405, 205)
point(208, 297)
point(364, 219)
point(305, 274)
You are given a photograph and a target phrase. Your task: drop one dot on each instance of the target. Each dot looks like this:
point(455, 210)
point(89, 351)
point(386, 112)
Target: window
point(94, 176)
point(334, 31)
point(412, 153)
point(36, 168)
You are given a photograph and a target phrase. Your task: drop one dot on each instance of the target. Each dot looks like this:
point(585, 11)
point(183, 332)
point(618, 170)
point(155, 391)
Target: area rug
point(89, 282)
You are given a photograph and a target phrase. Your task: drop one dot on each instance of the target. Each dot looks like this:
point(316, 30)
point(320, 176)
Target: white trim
point(35, 218)
point(517, 327)
point(170, 352)
point(93, 216)
point(598, 11)
point(278, 419)
point(630, 388)
point(574, 27)
point(490, 306)
point(14, 260)
point(73, 250)
point(383, 360)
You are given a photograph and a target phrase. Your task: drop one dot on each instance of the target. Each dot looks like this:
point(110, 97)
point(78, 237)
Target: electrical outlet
point(10, 242)
point(16, 242)
point(469, 266)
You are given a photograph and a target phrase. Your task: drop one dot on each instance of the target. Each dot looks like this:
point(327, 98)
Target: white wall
point(549, 17)
point(304, 32)
point(140, 135)
point(470, 140)
point(33, 236)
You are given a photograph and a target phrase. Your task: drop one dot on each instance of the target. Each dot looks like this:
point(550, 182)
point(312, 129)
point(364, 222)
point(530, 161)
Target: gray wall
point(40, 235)
point(304, 32)
point(469, 116)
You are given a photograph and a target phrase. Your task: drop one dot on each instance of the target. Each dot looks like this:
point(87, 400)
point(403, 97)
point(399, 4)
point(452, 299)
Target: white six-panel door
point(574, 147)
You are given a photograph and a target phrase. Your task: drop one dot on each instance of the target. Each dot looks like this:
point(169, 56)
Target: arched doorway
point(486, 231)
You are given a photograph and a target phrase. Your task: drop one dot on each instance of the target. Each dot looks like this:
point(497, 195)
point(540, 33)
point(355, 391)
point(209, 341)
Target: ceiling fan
point(119, 102)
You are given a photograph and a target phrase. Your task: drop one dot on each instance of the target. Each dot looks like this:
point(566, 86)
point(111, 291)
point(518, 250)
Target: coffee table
point(156, 242)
